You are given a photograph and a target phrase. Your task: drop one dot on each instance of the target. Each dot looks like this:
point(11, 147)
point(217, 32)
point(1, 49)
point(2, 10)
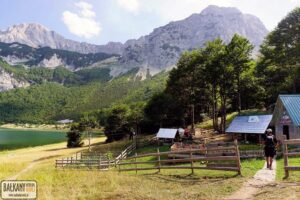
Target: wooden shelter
point(286, 117)
point(254, 125)
point(167, 134)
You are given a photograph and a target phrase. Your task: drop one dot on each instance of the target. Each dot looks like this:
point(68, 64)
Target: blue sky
point(101, 21)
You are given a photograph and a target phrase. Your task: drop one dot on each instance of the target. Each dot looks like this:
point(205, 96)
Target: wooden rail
point(93, 160)
point(178, 146)
point(192, 156)
point(287, 154)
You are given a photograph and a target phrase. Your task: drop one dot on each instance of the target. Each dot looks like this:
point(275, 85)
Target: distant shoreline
point(38, 127)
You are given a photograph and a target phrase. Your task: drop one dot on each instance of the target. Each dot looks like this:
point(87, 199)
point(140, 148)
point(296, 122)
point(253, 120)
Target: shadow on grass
point(46, 158)
point(189, 178)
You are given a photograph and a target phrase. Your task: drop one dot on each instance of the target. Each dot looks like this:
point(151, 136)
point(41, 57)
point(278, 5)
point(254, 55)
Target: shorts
point(270, 152)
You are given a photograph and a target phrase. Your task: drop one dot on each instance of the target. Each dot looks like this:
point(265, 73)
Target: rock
point(36, 35)
point(164, 45)
point(7, 81)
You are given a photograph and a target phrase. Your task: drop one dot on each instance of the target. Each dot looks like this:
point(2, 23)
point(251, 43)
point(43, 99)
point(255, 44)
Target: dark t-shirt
point(270, 141)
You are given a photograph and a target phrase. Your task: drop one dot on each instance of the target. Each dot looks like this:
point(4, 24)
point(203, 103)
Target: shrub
point(74, 139)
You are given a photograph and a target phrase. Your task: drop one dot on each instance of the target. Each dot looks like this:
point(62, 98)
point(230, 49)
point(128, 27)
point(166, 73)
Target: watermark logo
point(18, 190)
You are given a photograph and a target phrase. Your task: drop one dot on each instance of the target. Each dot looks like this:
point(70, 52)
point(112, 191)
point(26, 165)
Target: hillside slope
point(48, 102)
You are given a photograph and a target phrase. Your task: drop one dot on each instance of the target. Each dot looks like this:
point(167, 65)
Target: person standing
point(270, 147)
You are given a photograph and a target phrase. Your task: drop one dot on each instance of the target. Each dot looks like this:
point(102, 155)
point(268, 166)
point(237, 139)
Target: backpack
point(270, 141)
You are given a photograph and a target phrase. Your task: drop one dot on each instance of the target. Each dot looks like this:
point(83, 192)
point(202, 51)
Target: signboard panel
point(285, 120)
point(18, 190)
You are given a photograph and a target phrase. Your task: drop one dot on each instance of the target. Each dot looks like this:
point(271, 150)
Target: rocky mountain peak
point(22, 28)
point(37, 35)
point(216, 10)
point(163, 47)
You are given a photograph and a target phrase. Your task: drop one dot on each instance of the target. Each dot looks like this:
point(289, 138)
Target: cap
point(269, 130)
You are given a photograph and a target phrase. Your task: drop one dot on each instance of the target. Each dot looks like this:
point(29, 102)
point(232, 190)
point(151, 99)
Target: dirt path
point(36, 155)
point(14, 177)
point(251, 187)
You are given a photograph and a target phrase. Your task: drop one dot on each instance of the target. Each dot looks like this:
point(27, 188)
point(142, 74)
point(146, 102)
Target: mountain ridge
point(152, 53)
point(37, 35)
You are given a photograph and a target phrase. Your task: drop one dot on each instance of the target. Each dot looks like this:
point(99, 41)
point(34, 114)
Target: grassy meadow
point(37, 163)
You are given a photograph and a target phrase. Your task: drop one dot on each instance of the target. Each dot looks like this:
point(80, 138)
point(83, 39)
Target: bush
point(74, 139)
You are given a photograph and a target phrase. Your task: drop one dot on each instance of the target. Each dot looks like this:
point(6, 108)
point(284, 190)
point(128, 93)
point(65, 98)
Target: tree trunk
point(214, 109)
point(239, 94)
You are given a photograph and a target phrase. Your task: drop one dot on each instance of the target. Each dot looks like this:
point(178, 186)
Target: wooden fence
point(287, 154)
point(179, 146)
point(214, 158)
point(93, 160)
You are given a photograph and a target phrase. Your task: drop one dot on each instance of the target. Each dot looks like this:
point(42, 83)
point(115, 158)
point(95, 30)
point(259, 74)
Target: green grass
point(169, 184)
point(75, 185)
point(247, 165)
point(293, 175)
point(250, 147)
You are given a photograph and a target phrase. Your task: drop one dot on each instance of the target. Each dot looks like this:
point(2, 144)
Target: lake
point(15, 139)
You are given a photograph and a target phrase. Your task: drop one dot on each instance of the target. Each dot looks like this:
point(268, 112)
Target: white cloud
point(83, 22)
point(130, 5)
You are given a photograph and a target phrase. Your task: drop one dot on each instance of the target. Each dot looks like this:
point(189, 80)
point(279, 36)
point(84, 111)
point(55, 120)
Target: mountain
point(36, 35)
point(158, 50)
point(34, 45)
point(164, 45)
point(20, 54)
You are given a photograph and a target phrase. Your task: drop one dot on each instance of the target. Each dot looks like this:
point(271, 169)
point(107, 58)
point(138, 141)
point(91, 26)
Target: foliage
point(117, 126)
point(49, 102)
point(278, 67)
point(75, 136)
point(210, 80)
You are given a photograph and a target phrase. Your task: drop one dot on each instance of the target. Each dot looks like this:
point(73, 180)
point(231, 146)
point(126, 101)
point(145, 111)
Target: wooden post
point(205, 146)
point(100, 162)
point(108, 162)
point(135, 163)
point(238, 160)
point(192, 162)
point(158, 159)
point(120, 159)
point(259, 139)
point(285, 156)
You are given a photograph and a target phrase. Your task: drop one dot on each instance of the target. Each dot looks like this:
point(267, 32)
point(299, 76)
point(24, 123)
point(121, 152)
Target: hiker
point(270, 148)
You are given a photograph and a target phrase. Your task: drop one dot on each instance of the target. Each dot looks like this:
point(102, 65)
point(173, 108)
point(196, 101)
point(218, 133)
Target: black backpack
point(270, 141)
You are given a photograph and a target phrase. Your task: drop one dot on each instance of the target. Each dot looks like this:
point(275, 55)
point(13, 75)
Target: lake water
point(14, 139)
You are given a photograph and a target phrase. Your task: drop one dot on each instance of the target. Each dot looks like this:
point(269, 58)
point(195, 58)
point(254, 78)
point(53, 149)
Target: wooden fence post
point(108, 162)
point(119, 162)
point(135, 163)
point(192, 162)
point(158, 159)
point(238, 160)
point(286, 161)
